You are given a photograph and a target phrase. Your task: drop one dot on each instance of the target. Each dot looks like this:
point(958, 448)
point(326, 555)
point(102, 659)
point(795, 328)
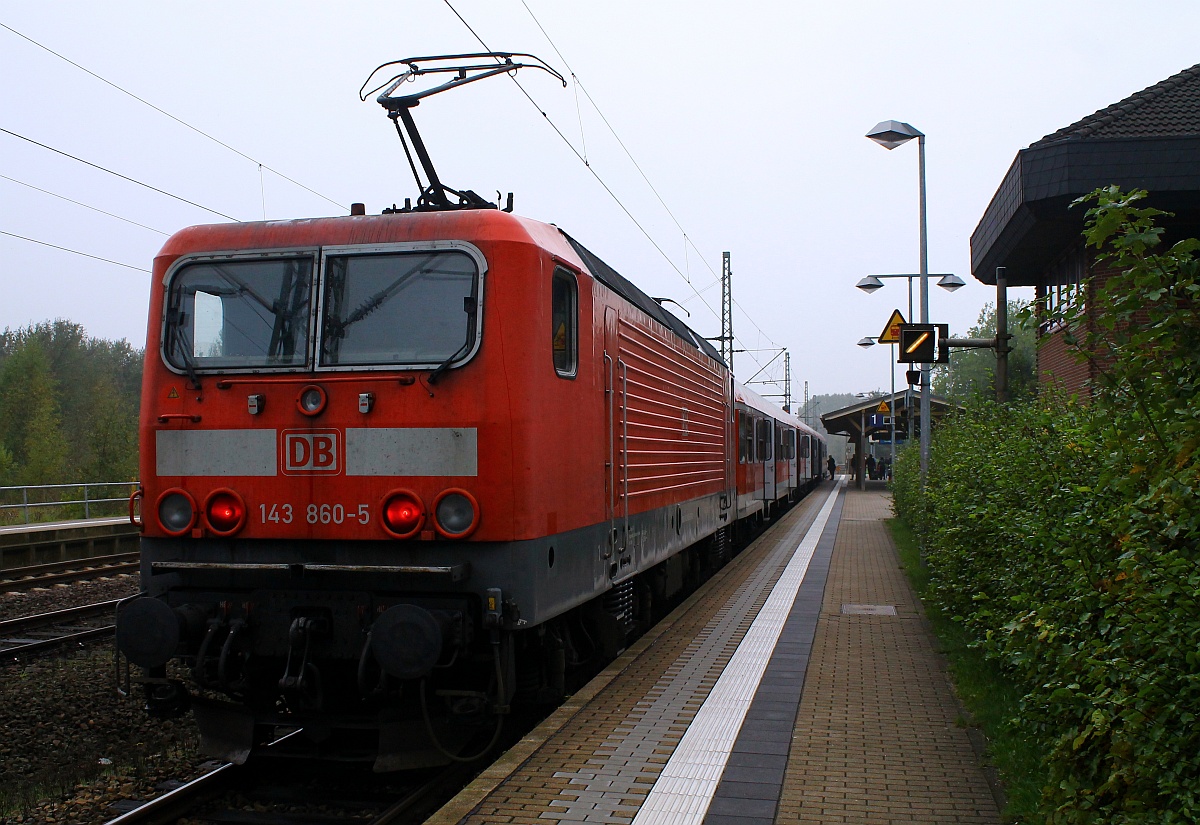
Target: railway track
point(64, 572)
point(271, 792)
point(46, 631)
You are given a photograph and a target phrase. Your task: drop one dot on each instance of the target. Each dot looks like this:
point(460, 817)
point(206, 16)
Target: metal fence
point(52, 502)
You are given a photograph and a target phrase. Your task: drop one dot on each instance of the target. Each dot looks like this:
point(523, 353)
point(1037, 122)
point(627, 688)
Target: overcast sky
point(748, 120)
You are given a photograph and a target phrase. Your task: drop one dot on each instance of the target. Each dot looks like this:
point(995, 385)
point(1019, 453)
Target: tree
point(68, 405)
point(30, 414)
point(971, 373)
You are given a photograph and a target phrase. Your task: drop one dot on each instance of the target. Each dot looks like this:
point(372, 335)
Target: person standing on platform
point(870, 466)
point(832, 466)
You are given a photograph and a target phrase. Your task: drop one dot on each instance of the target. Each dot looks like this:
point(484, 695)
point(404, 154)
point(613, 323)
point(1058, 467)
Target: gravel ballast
point(69, 745)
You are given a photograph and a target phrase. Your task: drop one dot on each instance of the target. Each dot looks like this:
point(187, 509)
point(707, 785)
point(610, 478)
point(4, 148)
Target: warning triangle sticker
point(891, 330)
point(173, 393)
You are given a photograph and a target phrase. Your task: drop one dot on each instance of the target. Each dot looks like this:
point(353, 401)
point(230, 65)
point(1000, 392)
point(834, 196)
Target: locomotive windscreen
point(407, 308)
point(239, 314)
point(404, 308)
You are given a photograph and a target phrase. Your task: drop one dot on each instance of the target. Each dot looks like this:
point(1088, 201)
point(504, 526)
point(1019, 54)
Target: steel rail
point(74, 564)
point(25, 646)
point(168, 808)
point(57, 617)
point(40, 575)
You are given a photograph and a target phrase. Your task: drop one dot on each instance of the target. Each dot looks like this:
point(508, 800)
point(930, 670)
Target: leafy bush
point(1066, 538)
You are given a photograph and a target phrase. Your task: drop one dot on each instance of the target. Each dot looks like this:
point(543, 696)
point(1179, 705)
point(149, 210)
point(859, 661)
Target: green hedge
point(1066, 539)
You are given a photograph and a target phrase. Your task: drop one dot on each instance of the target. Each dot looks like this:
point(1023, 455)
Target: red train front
point(400, 468)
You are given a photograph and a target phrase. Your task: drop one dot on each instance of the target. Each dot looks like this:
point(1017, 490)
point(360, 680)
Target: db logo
point(310, 451)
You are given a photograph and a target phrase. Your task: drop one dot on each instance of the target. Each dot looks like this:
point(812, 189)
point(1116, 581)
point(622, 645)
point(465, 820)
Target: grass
point(990, 697)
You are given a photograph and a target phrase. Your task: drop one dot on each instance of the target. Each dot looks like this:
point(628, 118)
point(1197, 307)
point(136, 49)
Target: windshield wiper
point(469, 308)
point(179, 346)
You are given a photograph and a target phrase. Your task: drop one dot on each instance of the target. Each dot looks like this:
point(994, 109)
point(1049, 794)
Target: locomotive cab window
point(564, 324)
point(238, 313)
point(409, 309)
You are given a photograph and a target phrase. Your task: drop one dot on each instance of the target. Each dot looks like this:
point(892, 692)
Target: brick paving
point(877, 737)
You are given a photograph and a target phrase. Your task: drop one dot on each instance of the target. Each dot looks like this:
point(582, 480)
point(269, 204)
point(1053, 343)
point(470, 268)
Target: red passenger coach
point(779, 457)
point(402, 470)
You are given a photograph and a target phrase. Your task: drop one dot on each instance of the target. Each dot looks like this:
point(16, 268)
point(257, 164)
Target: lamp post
point(890, 134)
point(869, 341)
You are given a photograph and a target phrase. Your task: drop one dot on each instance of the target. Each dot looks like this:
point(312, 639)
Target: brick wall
point(1058, 366)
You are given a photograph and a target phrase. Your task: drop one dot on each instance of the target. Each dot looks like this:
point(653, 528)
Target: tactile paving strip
point(752, 708)
point(599, 759)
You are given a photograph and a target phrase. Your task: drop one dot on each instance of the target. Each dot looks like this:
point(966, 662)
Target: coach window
point(764, 440)
point(564, 325)
point(745, 438)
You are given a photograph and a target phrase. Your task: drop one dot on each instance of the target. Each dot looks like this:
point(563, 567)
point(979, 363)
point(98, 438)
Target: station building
point(1150, 140)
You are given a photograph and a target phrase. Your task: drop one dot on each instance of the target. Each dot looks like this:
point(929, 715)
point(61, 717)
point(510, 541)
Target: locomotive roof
point(621, 285)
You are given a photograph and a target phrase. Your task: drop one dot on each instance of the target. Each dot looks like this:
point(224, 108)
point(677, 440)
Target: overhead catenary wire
point(645, 176)
point(641, 172)
point(687, 240)
point(174, 118)
point(84, 205)
point(73, 251)
point(582, 160)
point(117, 174)
point(607, 188)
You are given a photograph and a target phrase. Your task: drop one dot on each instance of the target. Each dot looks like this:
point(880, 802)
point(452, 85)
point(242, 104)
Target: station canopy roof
point(851, 420)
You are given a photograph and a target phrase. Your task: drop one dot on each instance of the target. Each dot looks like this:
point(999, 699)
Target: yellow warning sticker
point(891, 330)
point(173, 393)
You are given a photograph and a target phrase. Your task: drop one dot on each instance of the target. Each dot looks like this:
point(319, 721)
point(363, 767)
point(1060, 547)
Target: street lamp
point(946, 281)
point(866, 342)
point(890, 134)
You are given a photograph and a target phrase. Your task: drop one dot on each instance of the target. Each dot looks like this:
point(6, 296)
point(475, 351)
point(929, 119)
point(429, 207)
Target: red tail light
point(403, 513)
point(225, 512)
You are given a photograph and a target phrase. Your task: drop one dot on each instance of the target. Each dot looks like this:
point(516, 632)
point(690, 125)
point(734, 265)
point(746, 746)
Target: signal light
point(455, 513)
point(402, 513)
point(176, 512)
point(311, 400)
point(924, 344)
point(225, 512)
point(918, 344)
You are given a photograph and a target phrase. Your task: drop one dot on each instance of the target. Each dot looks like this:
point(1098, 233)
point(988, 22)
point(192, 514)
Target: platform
point(23, 545)
point(801, 684)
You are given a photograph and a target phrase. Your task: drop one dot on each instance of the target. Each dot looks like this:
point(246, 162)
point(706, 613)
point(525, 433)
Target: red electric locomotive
point(400, 470)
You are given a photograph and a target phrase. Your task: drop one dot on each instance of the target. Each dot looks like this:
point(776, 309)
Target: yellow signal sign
point(883, 408)
point(891, 330)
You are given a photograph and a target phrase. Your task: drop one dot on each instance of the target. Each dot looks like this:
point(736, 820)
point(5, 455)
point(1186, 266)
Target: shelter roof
point(1169, 108)
point(1149, 140)
point(850, 420)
